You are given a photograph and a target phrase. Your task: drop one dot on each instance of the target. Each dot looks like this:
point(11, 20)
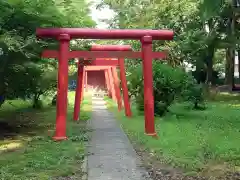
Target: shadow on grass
point(22, 122)
point(27, 150)
point(31, 122)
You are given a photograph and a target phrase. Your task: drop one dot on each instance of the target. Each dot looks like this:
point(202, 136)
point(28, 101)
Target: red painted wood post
point(107, 83)
point(116, 87)
point(111, 84)
point(148, 85)
point(78, 95)
point(123, 79)
point(86, 81)
point(83, 81)
point(62, 92)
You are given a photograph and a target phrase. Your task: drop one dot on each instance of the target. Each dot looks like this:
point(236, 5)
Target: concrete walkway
point(111, 156)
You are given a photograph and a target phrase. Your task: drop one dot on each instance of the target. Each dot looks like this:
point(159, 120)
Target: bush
point(169, 83)
point(194, 93)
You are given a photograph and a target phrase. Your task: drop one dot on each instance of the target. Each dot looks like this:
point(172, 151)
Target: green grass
point(193, 140)
point(27, 150)
point(13, 105)
point(224, 97)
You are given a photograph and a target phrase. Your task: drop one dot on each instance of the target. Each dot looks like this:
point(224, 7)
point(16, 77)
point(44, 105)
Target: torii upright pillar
point(86, 81)
point(107, 83)
point(127, 106)
point(111, 83)
point(148, 85)
point(60, 134)
point(79, 91)
point(116, 87)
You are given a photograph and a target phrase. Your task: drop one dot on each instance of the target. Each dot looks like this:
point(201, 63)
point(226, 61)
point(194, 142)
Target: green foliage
point(169, 84)
point(194, 93)
point(19, 80)
point(200, 27)
point(23, 74)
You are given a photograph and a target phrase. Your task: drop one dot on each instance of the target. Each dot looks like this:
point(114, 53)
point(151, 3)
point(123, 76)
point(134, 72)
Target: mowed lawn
point(27, 150)
point(196, 141)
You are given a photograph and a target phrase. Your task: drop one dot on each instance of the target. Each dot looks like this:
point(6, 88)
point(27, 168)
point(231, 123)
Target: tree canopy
point(23, 74)
point(202, 29)
point(206, 36)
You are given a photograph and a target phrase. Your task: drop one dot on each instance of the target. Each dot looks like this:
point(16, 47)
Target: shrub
point(194, 93)
point(169, 83)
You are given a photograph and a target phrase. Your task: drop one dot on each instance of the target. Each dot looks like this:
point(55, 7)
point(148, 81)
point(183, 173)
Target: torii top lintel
point(87, 33)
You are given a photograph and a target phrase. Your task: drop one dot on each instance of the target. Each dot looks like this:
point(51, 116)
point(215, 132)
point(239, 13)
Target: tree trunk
point(229, 68)
point(233, 47)
point(209, 53)
point(230, 53)
point(239, 64)
point(209, 64)
point(36, 101)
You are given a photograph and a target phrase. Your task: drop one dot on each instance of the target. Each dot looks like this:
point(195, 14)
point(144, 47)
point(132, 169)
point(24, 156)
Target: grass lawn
point(197, 141)
point(27, 150)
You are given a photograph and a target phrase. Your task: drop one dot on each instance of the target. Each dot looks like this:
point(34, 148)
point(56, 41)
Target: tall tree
point(193, 43)
point(20, 62)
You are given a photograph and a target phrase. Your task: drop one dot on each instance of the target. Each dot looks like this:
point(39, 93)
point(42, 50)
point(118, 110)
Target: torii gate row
point(110, 74)
point(109, 67)
point(64, 35)
point(112, 80)
point(112, 83)
point(113, 86)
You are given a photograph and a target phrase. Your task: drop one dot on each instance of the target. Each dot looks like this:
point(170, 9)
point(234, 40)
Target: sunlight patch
point(234, 105)
point(10, 146)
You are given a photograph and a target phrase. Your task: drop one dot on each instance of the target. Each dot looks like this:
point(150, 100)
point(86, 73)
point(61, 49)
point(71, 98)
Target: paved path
point(111, 156)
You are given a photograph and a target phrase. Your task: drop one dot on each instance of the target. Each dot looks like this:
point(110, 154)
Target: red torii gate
point(97, 68)
point(123, 79)
point(108, 79)
point(110, 73)
point(64, 35)
point(112, 82)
